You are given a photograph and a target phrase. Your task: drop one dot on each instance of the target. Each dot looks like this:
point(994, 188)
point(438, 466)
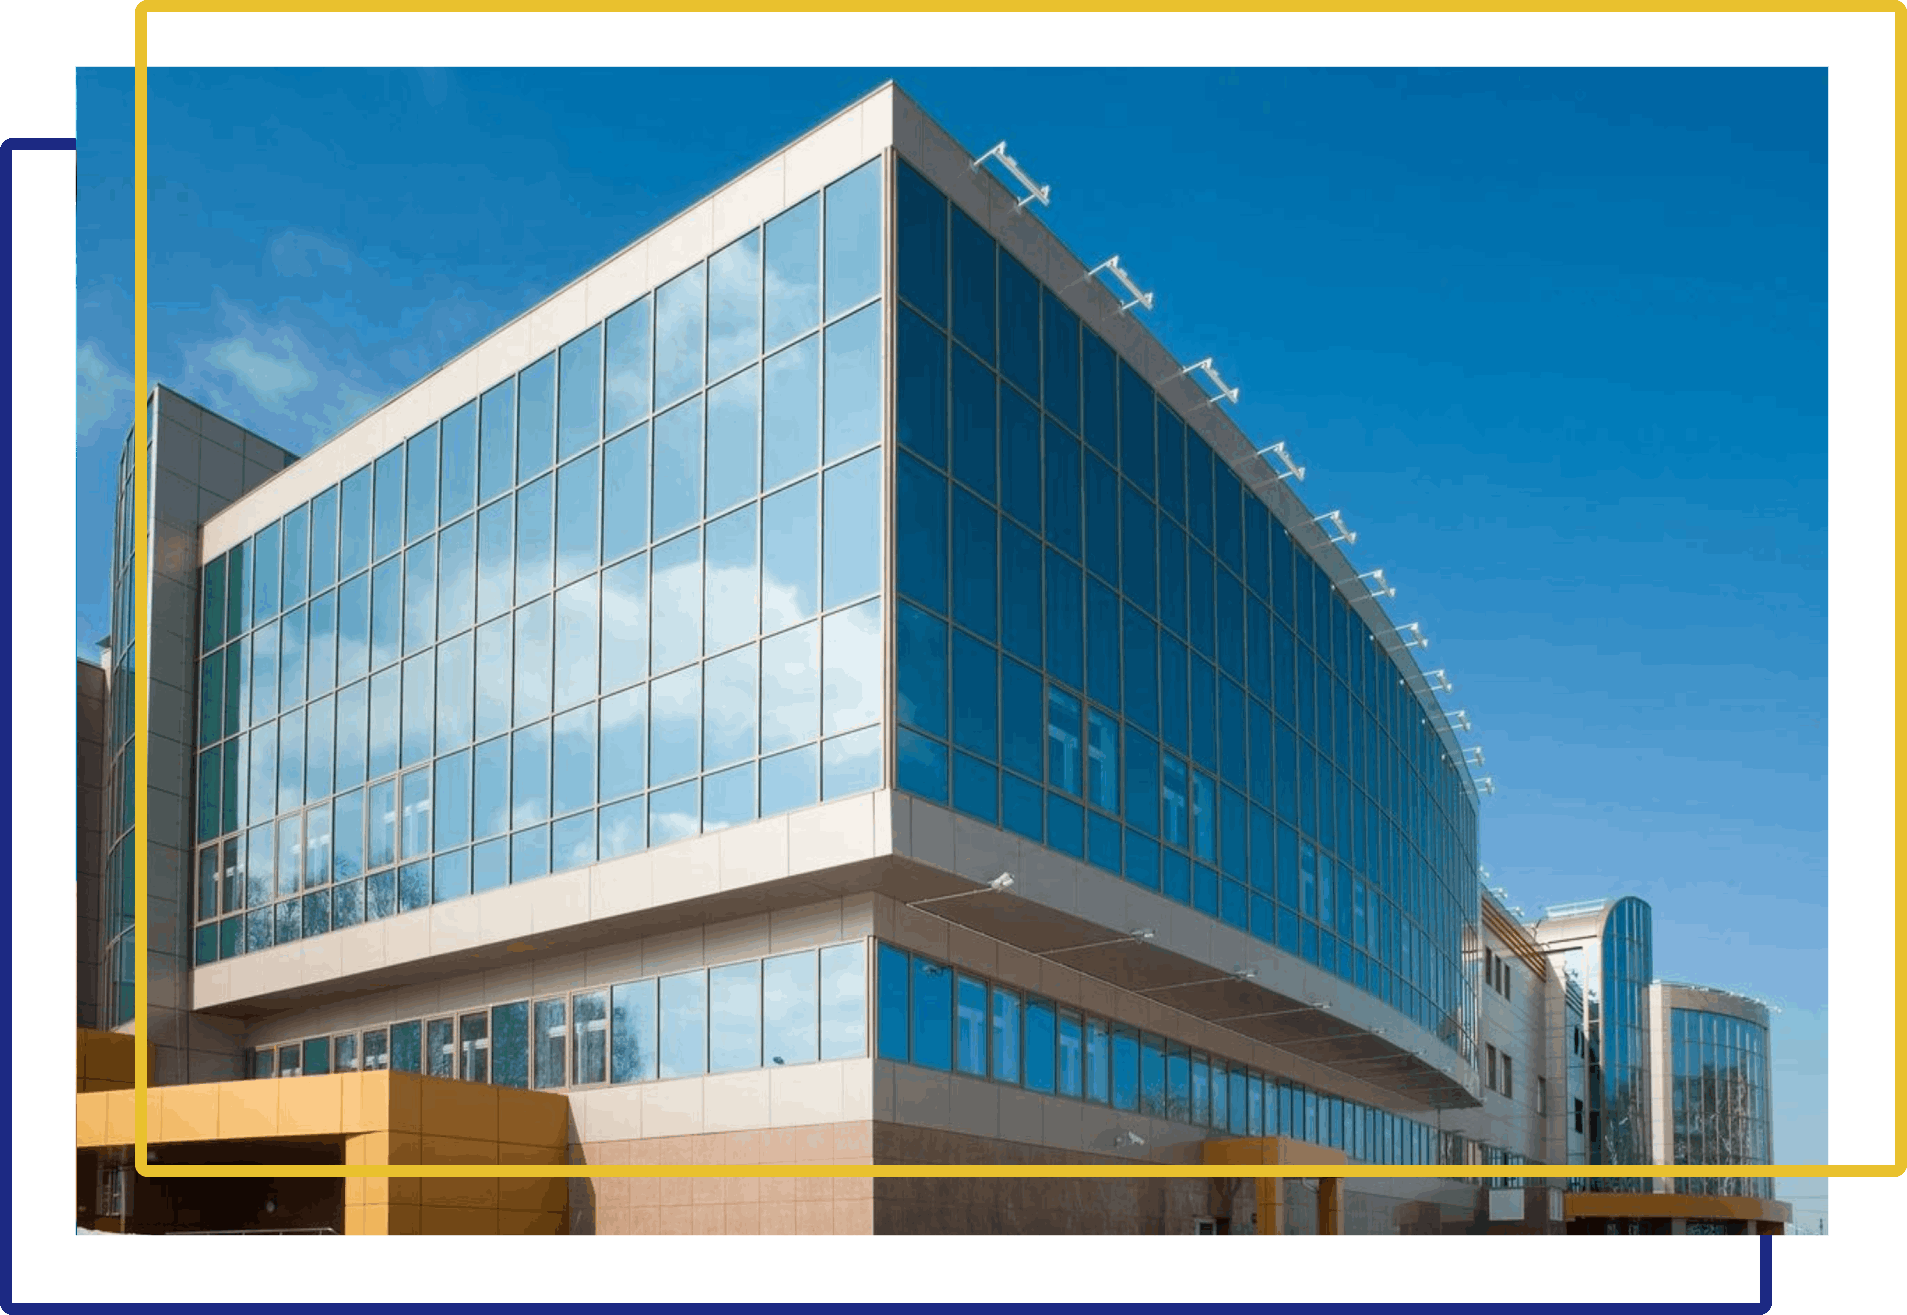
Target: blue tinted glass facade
point(1718, 1097)
point(630, 594)
point(1141, 668)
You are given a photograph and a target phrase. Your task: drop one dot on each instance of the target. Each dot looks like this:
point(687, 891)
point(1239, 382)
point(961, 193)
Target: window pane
point(1125, 1069)
point(535, 538)
point(495, 679)
point(496, 559)
point(680, 311)
point(684, 1010)
point(793, 281)
point(675, 629)
point(1040, 1040)
point(976, 696)
point(921, 403)
point(457, 484)
point(854, 238)
point(510, 1045)
point(931, 1014)
point(851, 392)
point(576, 643)
point(633, 1032)
point(851, 657)
point(628, 348)
point(1062, 740)
point(923, 243)
point(265, 578)
point(1006, 1035)
point(473, 1038)
point(791, 411)
point(625, 623)
point(455, 691)
point(1019, 325)
point(406, 1048)
point(844, 1001)
point(677, 469)
point(591, 1023)
point(551, 1042)
point(296, 556)
point(1072, 1058)
point(851, 554)
point(624, 749)
point(851, 763)
point(532, 671)
point(580, 403)
point(728, 729)
point(420, 485)
point(496, 441)
point(970, 1025)
point(440, 1048)
point(735, 292)
point(576, 504)
point(574, 754)
point(921, 656)
point(625, 519)
point(790, 1009)
point(1098, 1061)
point(921, 498)
point(676, 707)
point(530, 782)
point(788, 780)
point(387, 504)
point(790, 555)
point(734, 440)
point(452, 811)
point(1061, 383)
point(735, 1017)
point(892, 1020)
point(731, 608)
point(420, 707)
point(456, 577)
point(536, 419)
point(972, 285)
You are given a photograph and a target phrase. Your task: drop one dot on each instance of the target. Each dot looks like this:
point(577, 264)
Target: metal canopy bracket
point(1205, 368)
point(1044, 195)
point(1291, 469)
point(1111, 266)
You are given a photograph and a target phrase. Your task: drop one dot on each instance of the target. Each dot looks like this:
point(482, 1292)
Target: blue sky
point(1554, 340)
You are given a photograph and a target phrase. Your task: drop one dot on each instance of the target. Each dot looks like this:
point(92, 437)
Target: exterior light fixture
point(1236, 975)
point(1486, 785)
point(1112, 266)
point(1044, 195)
point(1205, 367)
point(1128, 1138)
point(1144, 934)
point(1002, 882)
point(1337, 533)
point(1473, 756)
point(1458, 720)
point(1438, 681)
point(1378, 585)
point(1291, 470)
point(1416, 632)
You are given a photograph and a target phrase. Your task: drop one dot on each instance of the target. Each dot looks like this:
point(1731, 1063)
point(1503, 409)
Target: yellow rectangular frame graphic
point(141, 708)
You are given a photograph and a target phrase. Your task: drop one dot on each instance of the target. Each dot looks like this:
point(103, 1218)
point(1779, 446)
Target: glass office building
point(643, 706)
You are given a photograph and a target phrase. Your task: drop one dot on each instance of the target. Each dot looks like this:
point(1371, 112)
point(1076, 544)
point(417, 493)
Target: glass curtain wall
point(1105, 643)
point(630, 594)
point(1719, 1098)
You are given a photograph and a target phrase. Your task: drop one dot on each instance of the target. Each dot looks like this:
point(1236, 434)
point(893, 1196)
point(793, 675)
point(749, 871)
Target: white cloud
point(264, 368)
point(105, 393)
point(273, 380)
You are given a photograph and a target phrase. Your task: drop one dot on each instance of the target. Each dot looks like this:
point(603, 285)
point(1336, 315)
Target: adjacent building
point(826, 686)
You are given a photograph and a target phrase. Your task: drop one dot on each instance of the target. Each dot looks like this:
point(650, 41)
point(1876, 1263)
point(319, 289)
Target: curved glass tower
point(1712, 1091)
